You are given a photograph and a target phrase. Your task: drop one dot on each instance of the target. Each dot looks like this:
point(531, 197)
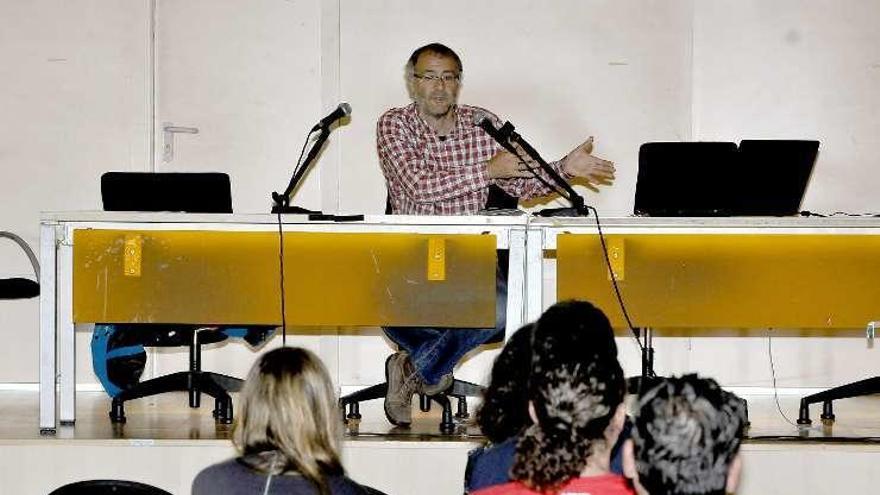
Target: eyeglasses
point(446, 77)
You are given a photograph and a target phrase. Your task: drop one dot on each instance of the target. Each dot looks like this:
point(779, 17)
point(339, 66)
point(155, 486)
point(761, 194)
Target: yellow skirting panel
point(345, 279)
point(727, 280)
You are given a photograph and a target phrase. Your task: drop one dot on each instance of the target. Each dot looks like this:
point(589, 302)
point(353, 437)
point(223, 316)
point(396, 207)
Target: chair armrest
point(27, 249)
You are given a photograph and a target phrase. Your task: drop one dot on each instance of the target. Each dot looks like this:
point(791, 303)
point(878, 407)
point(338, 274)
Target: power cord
point(281, 280)
point(773, 374)
point(281, 244)
point(632, 328)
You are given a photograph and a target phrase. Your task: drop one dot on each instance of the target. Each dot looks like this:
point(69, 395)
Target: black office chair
point(119, 359)
point(18, 287)
point(460, 389)
point(108, 487)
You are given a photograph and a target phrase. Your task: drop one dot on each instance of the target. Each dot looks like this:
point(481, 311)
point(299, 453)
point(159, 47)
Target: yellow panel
point(729, 280)
point(204, 277)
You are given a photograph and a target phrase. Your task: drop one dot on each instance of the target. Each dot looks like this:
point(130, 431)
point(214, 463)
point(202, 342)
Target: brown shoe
point(403, 383)
point(438, 388)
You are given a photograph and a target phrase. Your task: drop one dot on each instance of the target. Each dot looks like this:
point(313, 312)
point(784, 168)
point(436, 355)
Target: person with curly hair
point(686, 439)
point(575, 389)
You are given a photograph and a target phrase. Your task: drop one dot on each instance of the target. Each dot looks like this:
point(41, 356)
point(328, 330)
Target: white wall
point(795, 69)
point(76, 101)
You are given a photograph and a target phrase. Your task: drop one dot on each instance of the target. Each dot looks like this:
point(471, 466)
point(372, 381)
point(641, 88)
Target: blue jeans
point(435, 351)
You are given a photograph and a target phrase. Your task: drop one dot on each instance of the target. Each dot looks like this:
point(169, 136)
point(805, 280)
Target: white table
point(57, 249)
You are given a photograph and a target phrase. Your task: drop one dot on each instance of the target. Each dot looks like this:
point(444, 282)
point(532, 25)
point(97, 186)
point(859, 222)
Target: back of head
point(504, 409)
point(568, 329)
point(576, 386)
point(687, 433)
point(288, 420)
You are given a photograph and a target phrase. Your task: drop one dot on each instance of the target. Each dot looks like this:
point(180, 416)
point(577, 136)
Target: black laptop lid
point(780, 171)
point(147, 191)
point(758, 178)
point(685, 179)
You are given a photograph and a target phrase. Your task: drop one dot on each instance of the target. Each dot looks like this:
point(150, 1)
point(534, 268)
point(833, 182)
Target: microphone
point(281, 202)
point(506, 136)
point(343, 110)
point(483, 121)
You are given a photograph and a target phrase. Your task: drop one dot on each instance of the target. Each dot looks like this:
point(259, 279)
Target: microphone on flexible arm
point(343, 110)
point(281, 202)
point(506, 136)
point(484, 121)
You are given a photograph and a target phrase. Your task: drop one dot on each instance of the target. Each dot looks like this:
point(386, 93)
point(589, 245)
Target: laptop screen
point(780, 170)
point(758, 178)
point(166, 191)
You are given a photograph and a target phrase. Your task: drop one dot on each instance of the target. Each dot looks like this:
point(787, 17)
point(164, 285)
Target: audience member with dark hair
point(503, 414)
point(497, 420)
point(288, 433)
point(575, 390)
point(686, 439)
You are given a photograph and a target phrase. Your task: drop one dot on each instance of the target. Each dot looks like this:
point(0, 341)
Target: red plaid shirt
point(429, 176)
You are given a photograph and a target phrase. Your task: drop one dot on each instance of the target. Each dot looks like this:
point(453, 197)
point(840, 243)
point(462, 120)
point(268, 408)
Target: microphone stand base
point(293, 209)
point(563, 212)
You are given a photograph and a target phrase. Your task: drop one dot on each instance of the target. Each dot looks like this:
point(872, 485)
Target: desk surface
point(266, 218)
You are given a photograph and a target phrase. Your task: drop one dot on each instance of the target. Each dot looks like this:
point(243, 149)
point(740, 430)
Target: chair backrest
point(17, 287)
point(108, 487)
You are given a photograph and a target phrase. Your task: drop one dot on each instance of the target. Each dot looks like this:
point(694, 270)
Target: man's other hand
point(580, 163)
point(505, 165)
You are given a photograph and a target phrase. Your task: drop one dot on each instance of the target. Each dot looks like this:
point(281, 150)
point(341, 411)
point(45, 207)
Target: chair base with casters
point(460, 390)
point(194, 380)
point(860, 388)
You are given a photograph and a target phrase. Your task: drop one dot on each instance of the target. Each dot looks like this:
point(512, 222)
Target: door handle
point(168, 132)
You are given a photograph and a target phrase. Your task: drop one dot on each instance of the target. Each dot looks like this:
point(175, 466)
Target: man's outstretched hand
point(581, 163)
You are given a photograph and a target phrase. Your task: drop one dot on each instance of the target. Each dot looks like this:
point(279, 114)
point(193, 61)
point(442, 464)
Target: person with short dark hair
point(686, 439)
point(287, 432)
point(502, 414)
point(436, 161)
point(575, 387)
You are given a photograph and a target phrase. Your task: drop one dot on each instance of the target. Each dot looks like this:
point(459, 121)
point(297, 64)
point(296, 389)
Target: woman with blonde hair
point(288, 433)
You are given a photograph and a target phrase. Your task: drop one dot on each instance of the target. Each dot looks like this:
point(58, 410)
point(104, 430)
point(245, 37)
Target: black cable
point(281, 264)
point(773, 374)
point(301, 153)
point(620, 302)
point(281, 244)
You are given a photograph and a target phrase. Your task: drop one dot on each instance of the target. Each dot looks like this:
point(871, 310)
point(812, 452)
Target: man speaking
point(436, 161)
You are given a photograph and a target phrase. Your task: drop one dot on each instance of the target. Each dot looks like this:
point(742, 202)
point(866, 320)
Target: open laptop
point(758, 178)
point(166, 191)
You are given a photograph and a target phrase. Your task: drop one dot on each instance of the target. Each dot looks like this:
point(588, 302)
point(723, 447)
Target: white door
point(239, 85)
point(242, 83)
